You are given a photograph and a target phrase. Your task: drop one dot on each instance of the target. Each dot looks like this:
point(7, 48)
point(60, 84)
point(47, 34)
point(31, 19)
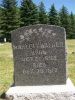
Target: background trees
point(13, 16)
point(53, 16)
point(29, 13)
point(0, 18)
point(64, 20)
point(72, 26)
point(43, 18)
point(8, 17)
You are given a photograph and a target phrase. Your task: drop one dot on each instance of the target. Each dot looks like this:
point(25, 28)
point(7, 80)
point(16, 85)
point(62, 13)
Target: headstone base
point(49, 92)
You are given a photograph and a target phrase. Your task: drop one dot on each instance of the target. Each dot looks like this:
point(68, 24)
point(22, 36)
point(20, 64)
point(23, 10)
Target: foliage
point(12, 17)
point(29, 13)
point(0, 18)
point(72, 26)
point(53, 16)
point(64, 20)
point(8, 17)
point(43, 18)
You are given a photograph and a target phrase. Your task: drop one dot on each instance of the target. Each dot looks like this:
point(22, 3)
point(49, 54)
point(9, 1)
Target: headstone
point(39, 55)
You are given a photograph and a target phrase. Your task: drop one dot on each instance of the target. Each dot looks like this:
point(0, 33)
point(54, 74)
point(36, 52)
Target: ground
point(6, 64)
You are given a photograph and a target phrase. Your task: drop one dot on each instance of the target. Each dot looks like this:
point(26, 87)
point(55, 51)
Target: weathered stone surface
point(39, 55)
point(51, 92)
point(51, 96)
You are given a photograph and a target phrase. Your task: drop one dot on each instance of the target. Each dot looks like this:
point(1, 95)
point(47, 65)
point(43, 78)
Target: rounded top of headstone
point(38, 25)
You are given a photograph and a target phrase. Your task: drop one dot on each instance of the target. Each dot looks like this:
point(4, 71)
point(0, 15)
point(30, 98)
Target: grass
point(6, 67)
point(71, 59)
point(6, 64)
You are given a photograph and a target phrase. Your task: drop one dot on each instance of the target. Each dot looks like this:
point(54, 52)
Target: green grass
point(6, 67)
point(71, 59)
point(6, 64)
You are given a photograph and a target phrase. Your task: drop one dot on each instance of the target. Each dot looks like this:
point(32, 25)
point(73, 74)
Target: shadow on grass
point(3, 96)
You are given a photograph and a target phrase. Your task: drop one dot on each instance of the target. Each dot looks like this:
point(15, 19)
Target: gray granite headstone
point(39, 55)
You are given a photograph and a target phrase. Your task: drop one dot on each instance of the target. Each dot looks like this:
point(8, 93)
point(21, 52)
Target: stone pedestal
point(49, 92)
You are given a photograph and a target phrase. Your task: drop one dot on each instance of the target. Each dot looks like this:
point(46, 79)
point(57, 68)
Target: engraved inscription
point(39, 45)
point(45, 33)
point(40, 71)
point(36, 58)
point(39, 65)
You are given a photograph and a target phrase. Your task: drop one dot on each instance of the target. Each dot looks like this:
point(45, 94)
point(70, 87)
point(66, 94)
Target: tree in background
point(72, 26)
point(12, 17)
point(1, 35)
point(0, 18)
point(43, 18)
point(29, 13)
point(64, 20)
point(53, 16)
point(8, 17)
